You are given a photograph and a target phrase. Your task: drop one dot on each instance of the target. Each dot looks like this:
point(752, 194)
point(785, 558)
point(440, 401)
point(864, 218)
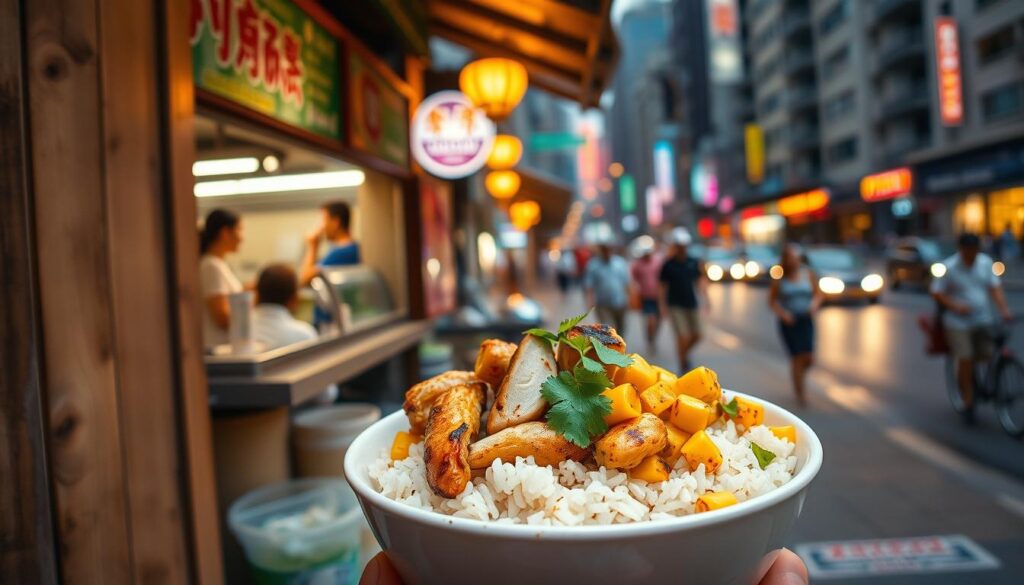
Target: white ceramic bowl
point(734, 545)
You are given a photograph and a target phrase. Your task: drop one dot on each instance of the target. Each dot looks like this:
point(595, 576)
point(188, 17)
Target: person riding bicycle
point(967, 292)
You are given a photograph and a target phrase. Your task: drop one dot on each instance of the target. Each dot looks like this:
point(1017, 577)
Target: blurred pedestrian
point(220, 235)
point(606, 283)
point(334, 227)
point(968, 290)
point(795, 299)
point(1007, 245)
point(646, 270)
point(682, 279)
point(565, 270)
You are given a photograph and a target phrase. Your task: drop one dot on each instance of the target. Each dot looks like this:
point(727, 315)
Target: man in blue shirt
point(344, 251)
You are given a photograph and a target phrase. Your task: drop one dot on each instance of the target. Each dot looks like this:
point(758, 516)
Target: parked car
point(843, 274)
point(722, 263)
point(916, 261)
point(759, 262)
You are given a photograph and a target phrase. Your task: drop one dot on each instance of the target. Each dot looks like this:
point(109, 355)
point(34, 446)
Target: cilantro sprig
point(578, 407)
point(731, 408)
point(764, 456)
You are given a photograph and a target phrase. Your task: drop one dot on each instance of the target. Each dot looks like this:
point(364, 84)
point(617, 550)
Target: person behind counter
point(220, 235)
point(277, 295)
point(344, 251)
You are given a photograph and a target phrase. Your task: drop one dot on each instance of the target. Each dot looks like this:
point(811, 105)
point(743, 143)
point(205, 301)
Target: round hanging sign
point(450, 137)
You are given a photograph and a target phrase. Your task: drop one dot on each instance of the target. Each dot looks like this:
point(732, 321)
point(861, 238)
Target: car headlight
point(938, 269)
point(715, 273)
point(736, 271)
point(831, 285)
point(776, 272)
point(871, 283)
point(751, 269)
point(998, 268)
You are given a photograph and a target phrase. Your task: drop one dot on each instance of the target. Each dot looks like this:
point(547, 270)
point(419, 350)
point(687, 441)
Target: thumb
point(787, 569)
point(379, 571)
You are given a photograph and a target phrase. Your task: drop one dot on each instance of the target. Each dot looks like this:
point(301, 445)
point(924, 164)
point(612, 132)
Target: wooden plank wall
point(26, 535)
point(119, 393)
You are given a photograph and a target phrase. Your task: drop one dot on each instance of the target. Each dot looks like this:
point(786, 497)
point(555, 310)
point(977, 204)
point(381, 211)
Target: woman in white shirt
point(221, 235)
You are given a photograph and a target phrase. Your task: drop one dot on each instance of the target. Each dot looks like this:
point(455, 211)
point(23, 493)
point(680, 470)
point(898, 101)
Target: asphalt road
point(898, 463)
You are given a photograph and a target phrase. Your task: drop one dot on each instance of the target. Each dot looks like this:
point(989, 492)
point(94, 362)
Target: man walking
point(682, 279)
point(968, 291)
point(606, 282)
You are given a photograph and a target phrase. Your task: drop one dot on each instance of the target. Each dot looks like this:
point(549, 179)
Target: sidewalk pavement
point(872, 484)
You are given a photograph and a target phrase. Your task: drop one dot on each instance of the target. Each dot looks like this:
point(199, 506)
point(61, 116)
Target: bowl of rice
point(576, 521)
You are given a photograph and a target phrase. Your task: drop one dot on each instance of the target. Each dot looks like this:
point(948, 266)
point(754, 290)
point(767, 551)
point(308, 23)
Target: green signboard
point(271, 57)
point(555, 141)
point(627, 194)
point(379, 115)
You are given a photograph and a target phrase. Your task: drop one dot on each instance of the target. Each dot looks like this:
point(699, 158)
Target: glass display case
point(351, 299)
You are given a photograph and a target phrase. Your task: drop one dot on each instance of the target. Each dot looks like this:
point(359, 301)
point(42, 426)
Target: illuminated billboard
point(947, 66)
point(725, 57)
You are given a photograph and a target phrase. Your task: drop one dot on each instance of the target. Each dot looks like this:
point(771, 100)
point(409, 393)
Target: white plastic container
point(320, 437)
point(299, 532)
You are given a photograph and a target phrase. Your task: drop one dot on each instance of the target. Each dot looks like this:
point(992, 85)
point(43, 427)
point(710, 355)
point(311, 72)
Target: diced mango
point(640, 374)
point(665, 376)
point(701, 449)
point(749, 413)
point(652, 469)
point(657, 399)
point(714, 413)
point(400, 446)
point(625, 404)
point(714, 501)
point(676, 439)
point(689, 413)
point(701, 383)
point(787, 432)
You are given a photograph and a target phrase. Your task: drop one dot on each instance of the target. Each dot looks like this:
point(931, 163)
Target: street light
point(495, 85)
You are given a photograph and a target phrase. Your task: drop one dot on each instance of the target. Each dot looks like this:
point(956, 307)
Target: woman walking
point(795, 299)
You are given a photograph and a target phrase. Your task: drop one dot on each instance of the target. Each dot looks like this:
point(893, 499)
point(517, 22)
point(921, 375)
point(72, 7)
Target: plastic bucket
point(321, 436)
point(300, 532)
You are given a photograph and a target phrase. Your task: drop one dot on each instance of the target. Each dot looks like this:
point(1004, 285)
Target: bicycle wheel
point(1009, 379)
point(952, 387)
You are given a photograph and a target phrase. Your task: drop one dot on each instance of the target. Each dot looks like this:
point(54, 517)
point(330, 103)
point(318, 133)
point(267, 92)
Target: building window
point(842, 151)
point(834, 18)
point(840, 106)
point(836, 62)
point(1003, 102)
point(769, 104)
point(995, 45)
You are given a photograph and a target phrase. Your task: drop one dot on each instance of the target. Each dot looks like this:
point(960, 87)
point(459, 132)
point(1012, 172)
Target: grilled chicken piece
point(453, 424)
point(422, 396)
point(532, 438)
point(568, 357)
point(518, 399)
point(627, 444)
point(492, 361)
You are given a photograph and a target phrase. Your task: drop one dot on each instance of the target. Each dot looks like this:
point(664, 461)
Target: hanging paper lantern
point(505, 153)
point(495, 85)
point(524, 214)
point(502, 184)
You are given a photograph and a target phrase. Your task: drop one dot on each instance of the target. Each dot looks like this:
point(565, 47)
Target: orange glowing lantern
point(502, 184)
point(495, 85)
point(524, 214)
point(505, 153)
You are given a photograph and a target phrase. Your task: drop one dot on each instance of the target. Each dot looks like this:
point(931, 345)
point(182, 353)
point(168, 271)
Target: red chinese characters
point(253, 42)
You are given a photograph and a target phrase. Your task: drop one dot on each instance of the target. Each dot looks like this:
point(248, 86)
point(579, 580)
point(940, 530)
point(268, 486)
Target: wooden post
point(109, 93)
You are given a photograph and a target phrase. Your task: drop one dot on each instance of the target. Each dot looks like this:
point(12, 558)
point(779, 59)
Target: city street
point(898, 461)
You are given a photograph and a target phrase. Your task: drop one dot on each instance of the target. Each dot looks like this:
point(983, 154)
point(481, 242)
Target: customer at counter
point(344, 251)
point(277, 295)
point(220, 235)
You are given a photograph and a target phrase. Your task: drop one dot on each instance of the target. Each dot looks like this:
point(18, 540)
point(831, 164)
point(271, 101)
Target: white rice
point(574, 494)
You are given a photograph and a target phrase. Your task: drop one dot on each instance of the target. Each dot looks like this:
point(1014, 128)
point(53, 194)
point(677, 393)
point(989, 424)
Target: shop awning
point(567, 46)
point(553, 195)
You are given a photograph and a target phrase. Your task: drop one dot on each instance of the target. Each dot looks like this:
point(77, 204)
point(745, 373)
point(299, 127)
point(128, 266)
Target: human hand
point(787, 318)
point(1007, 316)
point(787, 569)
point(313, 237)
point(960, 308)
